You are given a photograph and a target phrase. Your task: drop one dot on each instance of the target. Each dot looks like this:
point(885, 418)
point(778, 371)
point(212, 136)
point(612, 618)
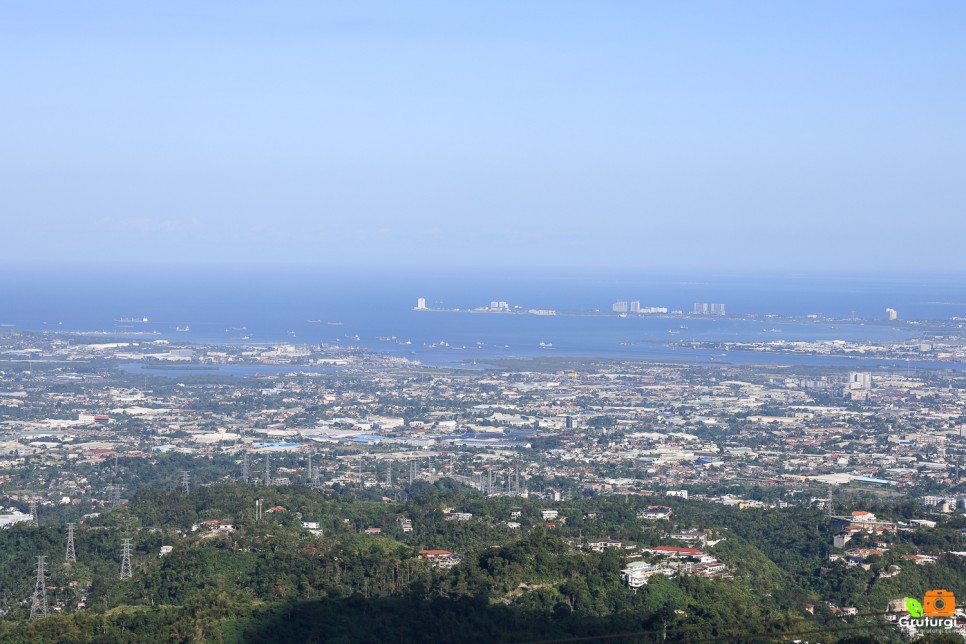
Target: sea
point(373, 308)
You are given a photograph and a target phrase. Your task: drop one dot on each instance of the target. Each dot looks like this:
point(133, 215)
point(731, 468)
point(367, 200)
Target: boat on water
point(673, 332)
point(182, 329)
point(354, 338)
point(141, 320)
point(291, 334)
point(335, 323)
point(546, 345)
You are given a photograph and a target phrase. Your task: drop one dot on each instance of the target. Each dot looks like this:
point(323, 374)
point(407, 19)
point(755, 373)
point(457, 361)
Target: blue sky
point(636, 134)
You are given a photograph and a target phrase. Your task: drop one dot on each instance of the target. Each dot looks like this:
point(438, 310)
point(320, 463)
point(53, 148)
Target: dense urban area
point(352, 495)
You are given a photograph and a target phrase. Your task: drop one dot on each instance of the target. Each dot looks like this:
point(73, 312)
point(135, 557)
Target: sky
point(707, 135)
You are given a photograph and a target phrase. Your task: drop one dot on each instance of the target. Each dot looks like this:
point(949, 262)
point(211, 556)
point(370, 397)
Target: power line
point(745, 626)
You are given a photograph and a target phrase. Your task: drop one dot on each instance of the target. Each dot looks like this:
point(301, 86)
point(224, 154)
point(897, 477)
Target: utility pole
point(184, 481)
point(33, 517)
point(126, 559)
point(310, 467)
point(258, 509)
point(389, 474)
point(245, 467)
point(268, 470)
point(70, 557)
point(38, 603)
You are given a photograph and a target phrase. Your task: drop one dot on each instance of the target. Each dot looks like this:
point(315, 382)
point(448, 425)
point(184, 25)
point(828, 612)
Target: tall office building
point(717, 309)
point(700, 308)
point(635, 307)
point(620, 307)
point(421, 304)
point(891, 314)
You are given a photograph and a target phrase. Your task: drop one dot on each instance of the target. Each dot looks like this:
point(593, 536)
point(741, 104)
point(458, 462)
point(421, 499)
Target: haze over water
point(312, 305)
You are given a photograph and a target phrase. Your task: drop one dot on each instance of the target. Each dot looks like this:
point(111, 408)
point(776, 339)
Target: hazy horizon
point(607, 136)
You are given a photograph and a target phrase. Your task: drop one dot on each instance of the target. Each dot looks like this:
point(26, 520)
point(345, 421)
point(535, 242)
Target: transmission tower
point(389, 474)
point(310, 468)
point(126, 559)
point(33, 517)
point(38, 603)
point(268, 470)
point(113, 495)
point(245, 467)
point(70, 557)
point(184, 481)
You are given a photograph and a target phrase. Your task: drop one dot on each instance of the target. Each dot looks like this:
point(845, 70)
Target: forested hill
point(333, 567)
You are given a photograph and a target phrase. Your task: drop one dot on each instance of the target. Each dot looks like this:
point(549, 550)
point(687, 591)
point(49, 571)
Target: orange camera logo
point(939, 603)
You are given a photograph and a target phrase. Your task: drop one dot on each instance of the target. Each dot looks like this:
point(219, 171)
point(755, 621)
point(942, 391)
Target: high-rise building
point(859, 386)
point(703, 308)
point(891, 314)
point(421, 304)
point(499, 306)
point(860, 380)
point(620, 307)
point(635, 307)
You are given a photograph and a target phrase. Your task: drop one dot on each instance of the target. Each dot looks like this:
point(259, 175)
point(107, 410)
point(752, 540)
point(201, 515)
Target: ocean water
point(313, 305)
